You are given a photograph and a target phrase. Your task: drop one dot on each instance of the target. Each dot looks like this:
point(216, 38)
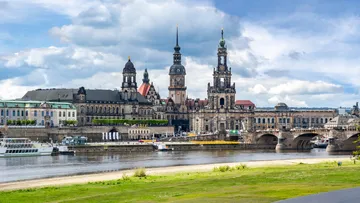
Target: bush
point(140, 172)
point(129, 122)
point(222, 168)
point(240, 167)
point(125, 176)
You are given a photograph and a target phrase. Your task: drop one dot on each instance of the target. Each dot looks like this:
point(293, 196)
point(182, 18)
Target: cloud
point(305, 87)
point(288, 100)
point(258, 89)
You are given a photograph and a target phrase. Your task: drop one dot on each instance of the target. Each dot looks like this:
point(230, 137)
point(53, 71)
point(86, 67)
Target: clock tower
point(177, 72)
point(222, 94)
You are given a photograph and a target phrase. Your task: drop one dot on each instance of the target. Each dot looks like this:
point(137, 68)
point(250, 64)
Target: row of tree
point(21, 122)
point(69, 122)
point(129, 122)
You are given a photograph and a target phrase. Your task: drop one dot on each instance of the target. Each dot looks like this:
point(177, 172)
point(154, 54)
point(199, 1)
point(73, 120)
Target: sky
point(301, 52)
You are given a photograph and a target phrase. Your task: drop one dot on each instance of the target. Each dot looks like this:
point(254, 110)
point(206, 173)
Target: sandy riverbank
point(79, 179)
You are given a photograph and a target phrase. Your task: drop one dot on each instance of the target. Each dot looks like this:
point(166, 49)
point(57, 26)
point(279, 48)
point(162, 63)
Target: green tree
point(356, 153)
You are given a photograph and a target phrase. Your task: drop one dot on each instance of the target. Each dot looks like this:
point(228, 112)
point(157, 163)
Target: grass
point(233, 185)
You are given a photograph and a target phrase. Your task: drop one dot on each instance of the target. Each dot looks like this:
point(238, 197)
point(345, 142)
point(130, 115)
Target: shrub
point(140, 172)
point(222, 168)
point(125, 176)
point(241, 166)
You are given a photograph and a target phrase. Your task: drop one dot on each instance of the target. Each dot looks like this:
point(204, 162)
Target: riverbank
point(107, 176)
point(245, 183)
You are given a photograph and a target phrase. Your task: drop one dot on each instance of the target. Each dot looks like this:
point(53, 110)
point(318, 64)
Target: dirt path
point(78, 179)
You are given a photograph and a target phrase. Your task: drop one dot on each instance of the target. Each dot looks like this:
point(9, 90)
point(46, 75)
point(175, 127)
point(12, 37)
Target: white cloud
point(305, 87)
point(258, 89)
point(10, 89)
point(288, 100)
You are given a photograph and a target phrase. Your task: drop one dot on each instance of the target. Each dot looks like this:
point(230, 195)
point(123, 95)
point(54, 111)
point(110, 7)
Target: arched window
point(117, 110)
point(222, 102)
point(272, 120)
point(87, 109)
point(259, 120)
point(92, 109)
point(263, 120)
point(321, 120)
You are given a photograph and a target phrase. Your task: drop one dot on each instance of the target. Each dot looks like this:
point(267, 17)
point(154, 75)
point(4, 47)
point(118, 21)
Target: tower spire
point(222, 33)
point(177, 35)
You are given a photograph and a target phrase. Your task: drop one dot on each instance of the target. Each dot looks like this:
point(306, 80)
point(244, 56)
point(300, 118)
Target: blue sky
point(303, 53)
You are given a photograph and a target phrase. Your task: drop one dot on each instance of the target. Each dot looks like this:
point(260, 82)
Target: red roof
point(144, 89)
point(244, 103)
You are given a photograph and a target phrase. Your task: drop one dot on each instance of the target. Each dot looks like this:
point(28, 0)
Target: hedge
point(130, 122)
point(70, 122)
point(21, 122)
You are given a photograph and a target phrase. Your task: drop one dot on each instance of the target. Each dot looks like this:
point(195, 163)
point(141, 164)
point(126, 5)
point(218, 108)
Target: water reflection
point(21, 168)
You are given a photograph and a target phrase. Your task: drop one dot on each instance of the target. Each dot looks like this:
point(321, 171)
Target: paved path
point(339, 196)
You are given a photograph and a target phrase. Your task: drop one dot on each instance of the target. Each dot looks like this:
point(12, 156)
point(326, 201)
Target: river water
point(24, 168)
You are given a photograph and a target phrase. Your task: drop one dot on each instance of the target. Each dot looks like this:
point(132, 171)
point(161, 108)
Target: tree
point(356, 153)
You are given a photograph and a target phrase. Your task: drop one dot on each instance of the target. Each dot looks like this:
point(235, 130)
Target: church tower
point(222, 94)
point(129, 77)
point(177, 88)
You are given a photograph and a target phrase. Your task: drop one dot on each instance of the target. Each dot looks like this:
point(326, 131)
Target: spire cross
point(222, 33)
point(129, 58)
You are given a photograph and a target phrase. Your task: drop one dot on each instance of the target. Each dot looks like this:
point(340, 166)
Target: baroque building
point(220, 112)
point(101, 104)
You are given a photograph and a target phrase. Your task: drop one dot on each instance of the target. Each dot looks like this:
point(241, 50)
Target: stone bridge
point(340, 140)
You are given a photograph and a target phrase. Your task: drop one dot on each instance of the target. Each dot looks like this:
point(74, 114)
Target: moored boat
point(23, 147)
point(162, 147)
point(320, 143)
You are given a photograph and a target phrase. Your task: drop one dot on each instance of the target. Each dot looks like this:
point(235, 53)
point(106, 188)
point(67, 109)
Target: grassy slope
point(245, 185)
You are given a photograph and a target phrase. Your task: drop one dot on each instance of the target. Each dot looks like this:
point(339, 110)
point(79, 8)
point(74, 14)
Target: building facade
point(102, 104)
point(47, 114)
point(220, 112)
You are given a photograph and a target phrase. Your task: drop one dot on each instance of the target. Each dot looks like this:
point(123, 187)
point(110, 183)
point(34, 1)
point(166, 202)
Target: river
point(24, 168)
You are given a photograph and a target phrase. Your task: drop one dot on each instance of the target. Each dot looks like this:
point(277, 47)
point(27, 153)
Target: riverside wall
point(176, 147)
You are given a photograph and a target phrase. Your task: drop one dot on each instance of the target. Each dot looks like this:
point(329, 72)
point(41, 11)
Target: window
point(64, 114)
point(2, 112)
point(259, 120)
point(288, 120)
point(51, 114)
point(222, 83)
point(26, 113)
point(73, 114)
point(272, 120)
point(18, 112)
point(22, 113)
point(47, 113)
point(42, 113)
point(222, 102)
point(35, 113)
point(7, 112)
point(263, 120)
point(14, 113)
point(42, 122)
point(69, 115)
point(59, 113)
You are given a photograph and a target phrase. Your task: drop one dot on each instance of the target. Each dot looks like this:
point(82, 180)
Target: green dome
point(222, 43)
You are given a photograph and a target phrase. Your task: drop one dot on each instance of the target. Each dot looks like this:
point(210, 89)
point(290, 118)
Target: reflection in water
point(21, 168)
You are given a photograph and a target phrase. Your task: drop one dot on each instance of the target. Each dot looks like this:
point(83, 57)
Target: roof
point(177, 69)
point(35, 104)
point(129, 67)
point(144, 89)
point(244, 103)
point(92, 95)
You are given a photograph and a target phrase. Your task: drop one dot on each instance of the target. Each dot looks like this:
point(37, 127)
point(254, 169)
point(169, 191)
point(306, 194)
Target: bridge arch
point(302, 141)
point(267, 138)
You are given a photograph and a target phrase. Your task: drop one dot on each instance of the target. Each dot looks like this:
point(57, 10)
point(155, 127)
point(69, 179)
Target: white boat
point(23, 147)
point(162, 147)
point(320, 143)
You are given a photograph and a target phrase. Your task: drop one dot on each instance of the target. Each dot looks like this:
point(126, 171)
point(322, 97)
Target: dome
point(281, 106)
point(177, 69)
point(129, 67)
point(222, 43)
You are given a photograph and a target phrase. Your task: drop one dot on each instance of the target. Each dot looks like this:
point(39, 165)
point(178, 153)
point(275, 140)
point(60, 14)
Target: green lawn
point(244, 185)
